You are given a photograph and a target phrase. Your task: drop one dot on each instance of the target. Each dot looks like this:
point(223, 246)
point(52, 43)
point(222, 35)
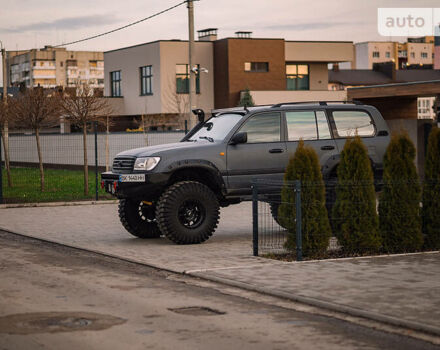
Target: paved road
point(53, 297)
point(404, 288)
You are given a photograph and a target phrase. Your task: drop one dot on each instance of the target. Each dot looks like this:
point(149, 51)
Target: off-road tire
point(138, 218)
point(185, 201)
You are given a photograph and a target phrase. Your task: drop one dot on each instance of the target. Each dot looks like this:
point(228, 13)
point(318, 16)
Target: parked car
point(177, 189)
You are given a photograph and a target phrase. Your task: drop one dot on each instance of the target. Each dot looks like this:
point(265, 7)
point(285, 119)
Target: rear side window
point(307, 125)
point(263, 128)
point(351, 123)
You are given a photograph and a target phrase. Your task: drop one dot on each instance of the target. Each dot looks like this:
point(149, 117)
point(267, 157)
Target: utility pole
point(192, 80)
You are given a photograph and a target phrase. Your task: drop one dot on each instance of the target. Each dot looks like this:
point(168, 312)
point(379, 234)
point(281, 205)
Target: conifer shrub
point(399, 202)
point(355, 219)
point(304, 166)
point(246, 99)
point(431, 192)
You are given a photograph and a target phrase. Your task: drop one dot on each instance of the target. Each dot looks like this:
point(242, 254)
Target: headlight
point(146, 163)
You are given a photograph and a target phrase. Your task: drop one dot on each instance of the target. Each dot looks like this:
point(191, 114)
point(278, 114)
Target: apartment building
point(151, 80)
point(50, 67)
point(415, 53)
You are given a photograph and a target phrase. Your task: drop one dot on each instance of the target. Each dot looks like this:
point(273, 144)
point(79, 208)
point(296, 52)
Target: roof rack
point(321, 103)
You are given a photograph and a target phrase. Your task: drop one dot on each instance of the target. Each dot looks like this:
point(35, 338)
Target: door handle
point(276, 150)
point(327, 148)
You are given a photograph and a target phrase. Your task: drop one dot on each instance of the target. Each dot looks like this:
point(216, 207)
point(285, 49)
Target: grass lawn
point(60, 185)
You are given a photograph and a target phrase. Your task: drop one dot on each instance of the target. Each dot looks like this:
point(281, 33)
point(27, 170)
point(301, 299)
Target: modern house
point(415, 53)
point(150, 81)
point(50, 67)
point(383, 74)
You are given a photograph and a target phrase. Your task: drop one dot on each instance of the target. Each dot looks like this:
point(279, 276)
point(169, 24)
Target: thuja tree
point(246, 99)
point(304, 166)
point(354, 214)
point(431, 192)
point(399, 204)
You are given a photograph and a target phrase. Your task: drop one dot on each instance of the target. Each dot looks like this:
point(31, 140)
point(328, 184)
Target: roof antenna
point(246, 109)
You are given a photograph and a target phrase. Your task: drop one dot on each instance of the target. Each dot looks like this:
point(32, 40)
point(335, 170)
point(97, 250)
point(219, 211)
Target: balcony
point(272, 97)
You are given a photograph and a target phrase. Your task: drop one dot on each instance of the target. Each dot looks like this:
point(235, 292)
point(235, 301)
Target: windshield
point(216, 128)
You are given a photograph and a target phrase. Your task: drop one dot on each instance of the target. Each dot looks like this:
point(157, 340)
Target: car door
point(263, 156)
point(313, 128)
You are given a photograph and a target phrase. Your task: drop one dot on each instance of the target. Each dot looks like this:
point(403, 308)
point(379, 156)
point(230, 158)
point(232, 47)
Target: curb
point(416, 326)
point(55, 204)
point(343, 309)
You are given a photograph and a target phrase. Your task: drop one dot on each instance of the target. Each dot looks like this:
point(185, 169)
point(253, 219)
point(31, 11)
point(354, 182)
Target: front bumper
point(153, 186)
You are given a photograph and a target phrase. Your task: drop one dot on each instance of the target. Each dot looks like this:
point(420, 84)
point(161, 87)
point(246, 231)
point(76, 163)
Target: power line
point(123, 27)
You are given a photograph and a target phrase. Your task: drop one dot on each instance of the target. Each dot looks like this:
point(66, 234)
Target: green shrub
point(354, 214)
point(304, 166)
point(246, 99)
point(399, 202)
point(431, 192)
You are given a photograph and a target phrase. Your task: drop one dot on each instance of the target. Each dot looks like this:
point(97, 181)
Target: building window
point(297, 76)
point(424, 54)
point(259, 67)
point(413, 55)
point(115, 83)
point(387, 54)
point(146, 74)
point(376, 54)
point(182, 79)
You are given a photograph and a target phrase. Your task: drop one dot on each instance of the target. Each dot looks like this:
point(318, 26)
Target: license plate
point(132, 178)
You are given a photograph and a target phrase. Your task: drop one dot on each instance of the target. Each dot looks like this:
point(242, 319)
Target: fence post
point(1, 171)
point(298, 220)
point(186, 126)
point(255, 218)
point(96, 160)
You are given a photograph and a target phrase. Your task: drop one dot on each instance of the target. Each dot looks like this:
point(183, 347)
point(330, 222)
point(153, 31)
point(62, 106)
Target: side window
point(263, 128)
point(350, 123)
point(301, 125)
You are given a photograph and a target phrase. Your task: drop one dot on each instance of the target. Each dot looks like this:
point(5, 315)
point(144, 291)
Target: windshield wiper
point(210, 139)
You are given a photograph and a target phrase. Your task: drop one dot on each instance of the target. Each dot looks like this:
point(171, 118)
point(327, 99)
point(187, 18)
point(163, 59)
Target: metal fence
point(63, 162)
point(288, 222)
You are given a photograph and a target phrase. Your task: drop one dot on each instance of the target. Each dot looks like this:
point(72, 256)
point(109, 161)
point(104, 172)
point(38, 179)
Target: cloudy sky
point(26, 24)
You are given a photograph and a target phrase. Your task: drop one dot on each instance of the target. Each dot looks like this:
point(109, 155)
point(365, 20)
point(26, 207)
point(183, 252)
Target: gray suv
point(177, 189)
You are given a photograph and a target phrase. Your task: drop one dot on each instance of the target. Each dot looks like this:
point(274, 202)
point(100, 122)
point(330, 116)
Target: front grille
point(123, 164)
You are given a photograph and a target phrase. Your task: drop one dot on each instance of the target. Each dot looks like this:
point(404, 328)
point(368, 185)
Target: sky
point(27, 24)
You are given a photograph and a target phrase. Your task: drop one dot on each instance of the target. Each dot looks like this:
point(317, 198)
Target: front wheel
point(138, 218)
point(188, 212)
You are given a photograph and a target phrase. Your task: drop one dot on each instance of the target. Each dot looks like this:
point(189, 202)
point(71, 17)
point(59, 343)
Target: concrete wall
point(67, 149)
point(437, 57)
point(172, 53)
point(128, 62)
point(272, 97)
point(311, 51)
point(163, 57)
point(318, 76)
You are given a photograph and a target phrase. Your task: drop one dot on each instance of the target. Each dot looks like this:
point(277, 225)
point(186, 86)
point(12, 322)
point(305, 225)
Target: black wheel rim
point(146, 212)
point(191, 214)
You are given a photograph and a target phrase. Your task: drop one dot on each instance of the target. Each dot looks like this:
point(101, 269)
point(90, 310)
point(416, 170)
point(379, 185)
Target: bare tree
point(81, 107)
point(5, 119)
point(36, 108)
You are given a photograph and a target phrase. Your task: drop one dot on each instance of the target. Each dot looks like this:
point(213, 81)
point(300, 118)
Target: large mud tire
point(188, 212)
point(138, 218)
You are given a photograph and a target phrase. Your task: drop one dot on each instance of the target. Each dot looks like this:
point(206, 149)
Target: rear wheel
point(188, 212)
point(274, 206)
point(138, 218)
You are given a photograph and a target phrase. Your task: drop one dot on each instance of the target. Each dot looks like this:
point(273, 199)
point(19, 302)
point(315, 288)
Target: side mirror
point(200, 114)
point(240, 137)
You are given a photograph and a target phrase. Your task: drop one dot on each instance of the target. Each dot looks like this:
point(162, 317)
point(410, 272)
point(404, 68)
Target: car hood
point(160, 149)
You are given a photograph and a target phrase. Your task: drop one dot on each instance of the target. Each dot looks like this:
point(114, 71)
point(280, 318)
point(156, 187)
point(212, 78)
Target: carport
point(398, 105)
